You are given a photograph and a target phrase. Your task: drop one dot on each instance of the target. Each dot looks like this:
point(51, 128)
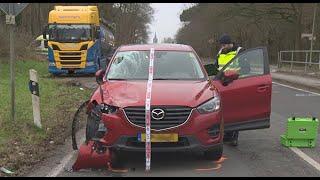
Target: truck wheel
point(214, 154)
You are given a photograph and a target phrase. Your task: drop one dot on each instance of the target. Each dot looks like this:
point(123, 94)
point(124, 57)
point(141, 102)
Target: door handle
point(262, 88)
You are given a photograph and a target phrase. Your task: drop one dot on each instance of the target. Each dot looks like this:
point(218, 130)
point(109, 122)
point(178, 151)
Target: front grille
point(174, 116)
point(70, 58)
point(70, 53)
point(70, 62)
point(133, 142)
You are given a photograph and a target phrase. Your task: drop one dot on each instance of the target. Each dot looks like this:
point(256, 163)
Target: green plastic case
point(301, 132)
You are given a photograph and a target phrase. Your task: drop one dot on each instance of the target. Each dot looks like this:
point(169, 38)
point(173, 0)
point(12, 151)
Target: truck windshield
point(168, 65)
point(70, 32)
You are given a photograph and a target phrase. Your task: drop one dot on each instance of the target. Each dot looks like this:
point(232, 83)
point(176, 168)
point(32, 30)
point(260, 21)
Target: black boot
point(235, 136)
point(231, 138)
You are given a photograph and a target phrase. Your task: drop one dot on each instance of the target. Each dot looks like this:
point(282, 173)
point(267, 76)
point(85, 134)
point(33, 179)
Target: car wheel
point(117, 159)
point(90, 128)
point(214, 154)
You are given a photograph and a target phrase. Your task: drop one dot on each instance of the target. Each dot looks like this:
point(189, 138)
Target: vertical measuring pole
point(34, 88)
point(148, 112)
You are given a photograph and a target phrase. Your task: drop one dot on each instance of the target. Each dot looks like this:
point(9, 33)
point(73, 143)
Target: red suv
point(191, 108)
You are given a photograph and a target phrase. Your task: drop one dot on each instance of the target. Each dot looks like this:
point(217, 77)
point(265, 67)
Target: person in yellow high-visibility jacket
point(227, 51)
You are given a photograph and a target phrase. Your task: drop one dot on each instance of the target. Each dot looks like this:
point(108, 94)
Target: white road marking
point(304, 95)
point(66, 159)
point(306, 158)
point(296, 88)
point(297, 151)
point(58, 169)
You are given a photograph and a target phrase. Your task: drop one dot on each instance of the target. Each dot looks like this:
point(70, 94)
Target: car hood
point(133, 93)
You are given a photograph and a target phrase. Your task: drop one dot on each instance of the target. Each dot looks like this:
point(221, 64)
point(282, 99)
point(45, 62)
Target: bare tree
point(277, 26)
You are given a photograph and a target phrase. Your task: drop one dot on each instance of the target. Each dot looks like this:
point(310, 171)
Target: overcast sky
point(166, 19)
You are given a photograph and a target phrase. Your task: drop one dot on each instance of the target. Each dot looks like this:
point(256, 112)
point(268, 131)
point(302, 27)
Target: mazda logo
point(157, 114)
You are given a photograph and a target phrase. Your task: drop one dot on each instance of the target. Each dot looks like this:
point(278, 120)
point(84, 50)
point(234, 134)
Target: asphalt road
point(259, 152)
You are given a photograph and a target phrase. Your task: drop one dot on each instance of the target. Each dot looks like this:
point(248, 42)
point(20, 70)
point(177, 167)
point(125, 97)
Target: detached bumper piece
point(301, 132)
point(92, 155)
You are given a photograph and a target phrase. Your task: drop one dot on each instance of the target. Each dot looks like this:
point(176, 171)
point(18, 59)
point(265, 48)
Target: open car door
point(245, 86)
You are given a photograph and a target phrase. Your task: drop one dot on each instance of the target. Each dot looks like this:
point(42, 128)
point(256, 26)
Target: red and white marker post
point(148, 113)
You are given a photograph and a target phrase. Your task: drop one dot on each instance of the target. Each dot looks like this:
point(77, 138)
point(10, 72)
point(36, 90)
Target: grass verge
point(21, 143)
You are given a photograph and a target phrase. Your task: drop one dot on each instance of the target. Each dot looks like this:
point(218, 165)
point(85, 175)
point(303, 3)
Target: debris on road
point(217, 166)
point(6, 170)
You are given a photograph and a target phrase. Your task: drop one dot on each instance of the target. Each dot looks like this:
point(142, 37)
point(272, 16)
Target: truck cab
point(74, 42)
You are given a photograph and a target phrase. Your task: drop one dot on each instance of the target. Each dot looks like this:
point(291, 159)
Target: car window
point(168, 65)
point(248, 64)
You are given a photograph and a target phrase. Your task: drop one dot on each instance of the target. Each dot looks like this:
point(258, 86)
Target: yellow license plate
point(159, 137)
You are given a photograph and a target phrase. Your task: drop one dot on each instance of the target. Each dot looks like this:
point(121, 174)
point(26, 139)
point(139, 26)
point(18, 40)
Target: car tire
point(90, 128)
point(214, 154)
point(117, 159)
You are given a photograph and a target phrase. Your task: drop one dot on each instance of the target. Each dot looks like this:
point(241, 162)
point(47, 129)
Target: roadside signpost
point(12, 10)
point(35, 93)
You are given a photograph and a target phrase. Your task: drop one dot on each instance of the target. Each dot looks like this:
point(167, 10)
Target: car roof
point(159, 47)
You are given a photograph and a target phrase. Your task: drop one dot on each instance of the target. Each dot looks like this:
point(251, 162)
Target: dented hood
point(164, 92)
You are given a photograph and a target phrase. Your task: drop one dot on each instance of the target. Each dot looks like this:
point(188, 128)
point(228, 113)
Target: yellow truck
point(77, 40)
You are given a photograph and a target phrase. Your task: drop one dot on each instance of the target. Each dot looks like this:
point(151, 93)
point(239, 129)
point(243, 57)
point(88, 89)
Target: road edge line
point(58, 169)
point(65, 160)
point(305, 157)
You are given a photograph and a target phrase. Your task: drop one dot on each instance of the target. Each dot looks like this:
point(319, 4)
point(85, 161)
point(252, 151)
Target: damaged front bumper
point(89, 157)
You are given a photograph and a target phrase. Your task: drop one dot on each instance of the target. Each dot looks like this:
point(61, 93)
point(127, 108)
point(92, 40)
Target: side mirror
point(44, 33)
point(98, 34)
point(99, 76)
point(211, 69)
point(45, 43)
point(229, 76)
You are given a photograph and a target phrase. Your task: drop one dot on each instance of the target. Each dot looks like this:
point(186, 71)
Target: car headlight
point(210, 106)
point(108, 109)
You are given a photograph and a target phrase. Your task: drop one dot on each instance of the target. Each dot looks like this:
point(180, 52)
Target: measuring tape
point(148, 114)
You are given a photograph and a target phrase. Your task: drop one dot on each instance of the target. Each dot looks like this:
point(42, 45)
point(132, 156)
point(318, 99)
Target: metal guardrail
point(292, 54)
